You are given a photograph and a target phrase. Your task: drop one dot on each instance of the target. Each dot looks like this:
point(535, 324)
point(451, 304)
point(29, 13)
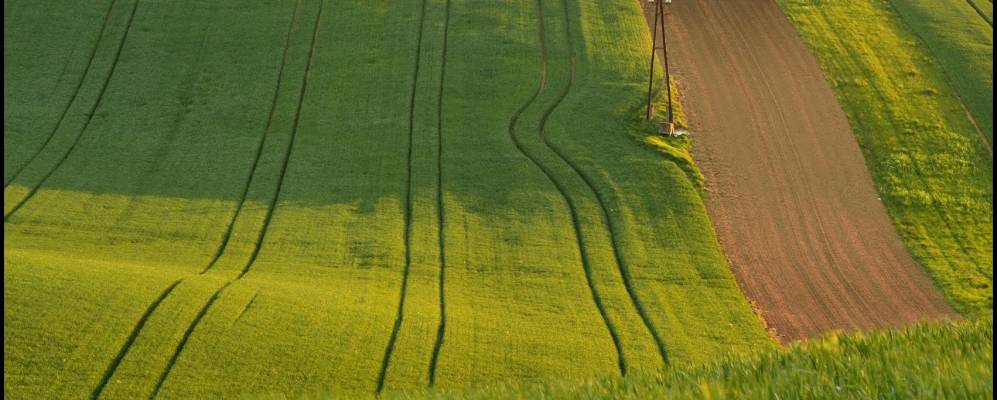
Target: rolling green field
point(960, 35)
point(930, 165)
point(211, 199)
point(929, 361)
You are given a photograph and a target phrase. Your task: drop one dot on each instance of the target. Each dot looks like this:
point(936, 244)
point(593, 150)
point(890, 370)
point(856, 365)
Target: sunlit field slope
point(931, 166)
point(931, 361)
point(960, 35)
point(211, 199)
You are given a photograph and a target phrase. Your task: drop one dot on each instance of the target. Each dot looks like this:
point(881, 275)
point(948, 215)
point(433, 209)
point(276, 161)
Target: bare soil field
point(790, 196)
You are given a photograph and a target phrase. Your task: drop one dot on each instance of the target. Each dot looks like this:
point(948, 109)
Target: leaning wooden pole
point(659, 25)
point(664, 61)
point(650, 74)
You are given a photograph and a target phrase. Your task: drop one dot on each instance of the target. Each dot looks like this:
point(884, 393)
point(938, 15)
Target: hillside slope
point(932, 170)
point(300, 197)
point(792, 200)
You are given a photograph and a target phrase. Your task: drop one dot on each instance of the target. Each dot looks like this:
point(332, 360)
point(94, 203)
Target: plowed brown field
point(790, 196)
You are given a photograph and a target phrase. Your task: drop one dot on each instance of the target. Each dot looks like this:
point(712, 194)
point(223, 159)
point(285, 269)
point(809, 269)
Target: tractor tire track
point(576, 224)
point(400, 311)
point(72, 99)
point(127, 346)
point(109, 372)
point(259, 146)
point(267, 219)
point(980, 12)
point(93, 110)
point(245, 309)
point(86, 124)
point(441, 217)
point(620, 263)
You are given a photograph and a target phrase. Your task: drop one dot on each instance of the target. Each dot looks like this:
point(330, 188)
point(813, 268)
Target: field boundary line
point(440, 210)
point(113, 366)
point(403, 291)
point(93, 110)
point(72, 99)
point(579, 237)
point(259, 147)
point(620, 263)
point(264, 229)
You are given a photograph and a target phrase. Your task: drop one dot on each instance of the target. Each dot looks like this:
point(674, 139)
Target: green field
point(929, 361)
point(207, 199)
point(930, 165)
point(960, 35)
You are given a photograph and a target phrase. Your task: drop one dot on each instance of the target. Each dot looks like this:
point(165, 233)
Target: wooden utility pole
point(659, 21)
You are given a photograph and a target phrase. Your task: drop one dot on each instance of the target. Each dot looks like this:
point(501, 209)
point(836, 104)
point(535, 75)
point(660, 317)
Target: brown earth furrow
point(793, 204)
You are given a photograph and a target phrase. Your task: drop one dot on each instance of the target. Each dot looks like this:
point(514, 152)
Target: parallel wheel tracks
point(86, 124)
point(259, 146)
point(441, 218)
point(270, 210)
point(620, 263)
point(72, 99)
point(267, 219)
point(400, 310)
point(576, 225)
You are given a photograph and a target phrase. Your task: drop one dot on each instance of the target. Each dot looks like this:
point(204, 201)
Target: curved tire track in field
point(981, 13)
point(72, 99)
point(266, 222)
point(441, 218)
point(109, 372)
point(576, 224)
point(400, 311)
point(610, 227)
point(259, 146)
point(86, 124)
point(138, 327)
